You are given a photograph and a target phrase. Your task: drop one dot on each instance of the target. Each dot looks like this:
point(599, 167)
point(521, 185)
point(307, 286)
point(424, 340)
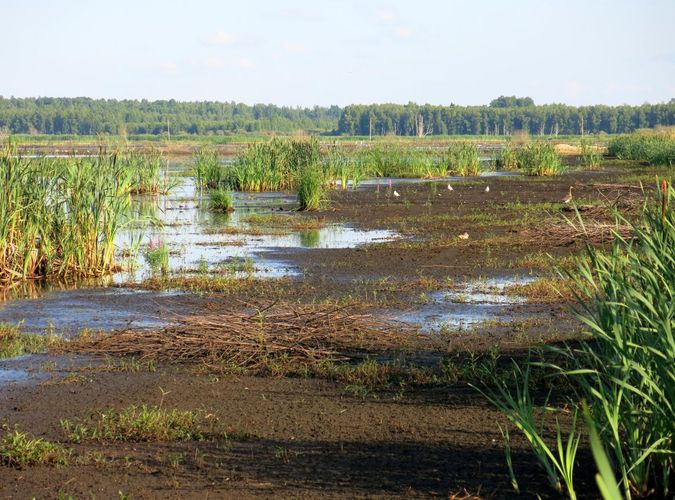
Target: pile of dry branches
point(297, 334)
point(565, 234)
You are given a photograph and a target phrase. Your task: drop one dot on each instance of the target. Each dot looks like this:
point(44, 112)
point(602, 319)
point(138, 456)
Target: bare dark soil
point(309, 437)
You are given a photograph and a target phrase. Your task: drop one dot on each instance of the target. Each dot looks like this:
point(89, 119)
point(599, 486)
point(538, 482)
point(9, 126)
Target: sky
point(324, 52)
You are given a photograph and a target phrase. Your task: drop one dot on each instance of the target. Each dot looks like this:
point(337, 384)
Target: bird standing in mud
point(396, 193)
point(487, 189)
point(450, 188)
point(568, 198)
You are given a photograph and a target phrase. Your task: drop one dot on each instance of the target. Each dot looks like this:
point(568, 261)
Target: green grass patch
point(15, 343)
point(540, 159)
point(653, 147)
point(138, 424)
point(17, 449)
point(221, 200)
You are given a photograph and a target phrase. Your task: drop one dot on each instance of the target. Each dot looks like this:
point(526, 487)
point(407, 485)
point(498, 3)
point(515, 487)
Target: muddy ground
point(313, 437)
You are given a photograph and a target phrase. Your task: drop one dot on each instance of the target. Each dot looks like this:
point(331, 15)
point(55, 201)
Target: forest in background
point(503, 116)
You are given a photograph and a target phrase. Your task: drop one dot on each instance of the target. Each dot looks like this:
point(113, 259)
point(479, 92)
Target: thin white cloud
point(297, 48)
point(246, 63)
point(385, 15)
point(221, 38)
point(403, 32)
point(169, 67)
point(215, 62)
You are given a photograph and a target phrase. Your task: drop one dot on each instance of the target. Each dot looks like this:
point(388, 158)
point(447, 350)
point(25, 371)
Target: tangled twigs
point(565, 234)
point(302, 334)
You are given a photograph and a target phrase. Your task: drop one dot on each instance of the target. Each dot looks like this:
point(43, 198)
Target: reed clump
point(507, 159)
point(145, 170)
point(59, 216)
point(311, 190)
point(221, 200)
point(654, 148)
point(462, 159)
point(621, 376)
point(590, 155)
point(209, 173)
point(540, 159)
point(272, 166)
point(394, 160)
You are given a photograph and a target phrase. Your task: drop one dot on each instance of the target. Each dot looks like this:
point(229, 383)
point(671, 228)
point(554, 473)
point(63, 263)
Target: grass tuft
point(136, 424)
point(17, 449)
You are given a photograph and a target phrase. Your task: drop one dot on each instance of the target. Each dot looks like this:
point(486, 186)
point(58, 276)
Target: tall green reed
point(462, 159)
point(540, 159)
point(209, 173)
point(622, 373)
point(59, 216)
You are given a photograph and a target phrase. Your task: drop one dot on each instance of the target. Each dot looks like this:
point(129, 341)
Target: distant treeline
point(504, 116)
point(85, 116)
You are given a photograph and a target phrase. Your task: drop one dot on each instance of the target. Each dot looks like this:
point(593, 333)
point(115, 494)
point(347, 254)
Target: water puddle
point(8, 375)
point(467, 306)
point(69, 311)
point(199, 239)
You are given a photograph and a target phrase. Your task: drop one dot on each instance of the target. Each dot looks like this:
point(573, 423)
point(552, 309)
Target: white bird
point(487, 189)
point(450, 188)
point(463, 236)
point(568, 198)
point(396, 193)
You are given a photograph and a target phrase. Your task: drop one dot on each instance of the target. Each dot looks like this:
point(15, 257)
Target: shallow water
point(9, 375)
point(198, 237)
point(70, 311)
point(467, 306)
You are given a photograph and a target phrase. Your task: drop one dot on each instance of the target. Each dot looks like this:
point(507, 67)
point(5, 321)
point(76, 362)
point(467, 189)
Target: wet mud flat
point(304, 436)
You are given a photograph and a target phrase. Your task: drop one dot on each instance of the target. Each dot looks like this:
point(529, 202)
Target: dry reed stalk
point(565, 234)
point(305, 335)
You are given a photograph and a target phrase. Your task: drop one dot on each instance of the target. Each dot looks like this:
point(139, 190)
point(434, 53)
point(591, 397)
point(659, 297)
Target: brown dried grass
point(303, 335)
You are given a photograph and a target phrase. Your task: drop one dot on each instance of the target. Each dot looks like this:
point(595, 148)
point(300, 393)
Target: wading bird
point(396, 193)
point(450, 188)
point(568, 198)
point(487, 189)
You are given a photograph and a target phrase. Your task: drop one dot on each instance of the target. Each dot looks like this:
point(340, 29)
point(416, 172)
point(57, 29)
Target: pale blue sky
point(340, 52)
